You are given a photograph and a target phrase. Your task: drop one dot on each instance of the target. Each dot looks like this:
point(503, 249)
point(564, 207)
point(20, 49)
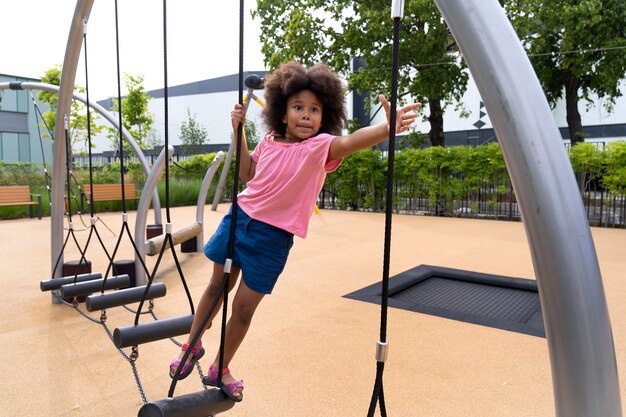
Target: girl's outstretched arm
point(369, 136)
point(247, 167)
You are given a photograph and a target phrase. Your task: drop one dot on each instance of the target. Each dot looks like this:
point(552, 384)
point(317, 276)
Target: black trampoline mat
point(497, 301)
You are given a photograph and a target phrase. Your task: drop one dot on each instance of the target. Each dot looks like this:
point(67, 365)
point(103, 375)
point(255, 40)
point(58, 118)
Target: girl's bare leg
point(244, 305)
point(207, 299)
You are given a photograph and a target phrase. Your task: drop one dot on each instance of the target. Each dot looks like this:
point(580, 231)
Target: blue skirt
point(261, 250)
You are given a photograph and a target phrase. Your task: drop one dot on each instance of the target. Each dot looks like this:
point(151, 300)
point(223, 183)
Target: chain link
point(134, 355)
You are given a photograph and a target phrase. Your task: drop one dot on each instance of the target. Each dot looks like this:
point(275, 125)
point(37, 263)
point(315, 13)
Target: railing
point(487, 201)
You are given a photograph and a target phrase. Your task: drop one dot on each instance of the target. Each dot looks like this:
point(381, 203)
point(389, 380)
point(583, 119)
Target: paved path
point(310, 351)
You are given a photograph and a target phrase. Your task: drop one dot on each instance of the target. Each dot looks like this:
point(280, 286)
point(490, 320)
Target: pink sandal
point(196, 353)
point(228, 389)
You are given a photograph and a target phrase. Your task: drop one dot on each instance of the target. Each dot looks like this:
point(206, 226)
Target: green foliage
point(359, 180)
point(252, 134)
point(21, 173)
point(335, 31)
point(614, 178)
point(441, 175)
point(183, 192)
point(78, 129)
point(135, 115)
point(575, 47)
point(588, 162)
point(192, 135)
point(194, 167)
point(53, 77)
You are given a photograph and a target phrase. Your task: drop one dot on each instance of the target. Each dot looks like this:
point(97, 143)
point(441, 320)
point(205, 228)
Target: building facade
point(20, 131)
point(23, 139)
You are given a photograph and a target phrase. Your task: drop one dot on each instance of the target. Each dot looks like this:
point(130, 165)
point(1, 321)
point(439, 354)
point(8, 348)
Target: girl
point(305, 114)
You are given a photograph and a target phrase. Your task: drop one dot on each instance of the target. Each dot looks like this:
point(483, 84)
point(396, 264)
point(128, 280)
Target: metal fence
point(486, 201)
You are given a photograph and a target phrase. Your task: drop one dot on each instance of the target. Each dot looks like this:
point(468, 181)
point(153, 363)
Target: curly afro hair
point(291, 78)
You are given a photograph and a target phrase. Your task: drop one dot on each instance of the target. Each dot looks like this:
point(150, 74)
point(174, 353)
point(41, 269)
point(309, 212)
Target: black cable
point(168, 241)
point(91, 210)
point(38, 114)
point(93, 229)
point(125, 228)
point(378, 394)
point(231, 241)
point(223, 292)
point(166, 114)
point(119, 106)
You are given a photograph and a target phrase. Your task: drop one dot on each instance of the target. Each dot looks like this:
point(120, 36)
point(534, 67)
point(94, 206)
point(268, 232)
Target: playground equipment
point(253, 82)
point(156, 204)
point(582, 354)
point(192, 231)
point(576, 317)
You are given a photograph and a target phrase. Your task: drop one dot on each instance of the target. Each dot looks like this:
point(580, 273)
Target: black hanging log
point(122, 297)
point(134, 335)
point(199, 404)
point(56, 283)
point(89, 287)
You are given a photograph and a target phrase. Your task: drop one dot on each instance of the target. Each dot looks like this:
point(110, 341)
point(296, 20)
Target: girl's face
point(303, 116)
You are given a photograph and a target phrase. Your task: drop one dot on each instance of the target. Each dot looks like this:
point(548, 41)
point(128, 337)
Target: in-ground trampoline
point(490, 300)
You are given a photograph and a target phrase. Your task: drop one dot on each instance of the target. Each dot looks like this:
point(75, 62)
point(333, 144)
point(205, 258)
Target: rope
point(119, 105)
point(223, 292)
point(378, 393)
point(231, 241)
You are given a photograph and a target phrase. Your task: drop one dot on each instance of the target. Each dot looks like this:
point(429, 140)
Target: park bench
point(110, 192)
point(19, 195)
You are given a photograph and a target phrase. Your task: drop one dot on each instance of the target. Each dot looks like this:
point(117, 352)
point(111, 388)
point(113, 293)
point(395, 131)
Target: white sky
point(203, 41)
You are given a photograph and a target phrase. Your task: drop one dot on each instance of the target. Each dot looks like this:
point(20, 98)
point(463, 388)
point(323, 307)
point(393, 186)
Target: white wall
point(591, 113)
point(212, 111)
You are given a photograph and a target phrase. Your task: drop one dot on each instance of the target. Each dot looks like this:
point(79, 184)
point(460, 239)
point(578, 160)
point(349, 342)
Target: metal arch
point(66, 91)
point(68, 76)
point(578, 329)
point(107, 115)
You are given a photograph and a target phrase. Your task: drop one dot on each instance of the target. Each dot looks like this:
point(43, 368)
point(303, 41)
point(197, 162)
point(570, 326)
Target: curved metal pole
point(142, 212)
point(204, 190)
point(229, 157)
point(107, 115)
point(578, 330)
point(68, 76)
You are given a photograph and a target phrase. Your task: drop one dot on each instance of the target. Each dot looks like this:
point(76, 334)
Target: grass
point(182, 192)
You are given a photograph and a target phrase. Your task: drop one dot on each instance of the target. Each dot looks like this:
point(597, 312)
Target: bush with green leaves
point(441, 176)
point(360, 180)
point(614, 176)
point(21, 173)
point(194, 167)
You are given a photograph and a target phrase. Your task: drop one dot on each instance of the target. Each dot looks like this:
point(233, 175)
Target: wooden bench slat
point(19, 195)
point(110, 192)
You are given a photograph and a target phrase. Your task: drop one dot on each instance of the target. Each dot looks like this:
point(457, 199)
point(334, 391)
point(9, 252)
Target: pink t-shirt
point(287, 181)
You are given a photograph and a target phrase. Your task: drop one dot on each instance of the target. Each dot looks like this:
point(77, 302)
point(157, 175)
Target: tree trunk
point(436, 123)
point(574, 125)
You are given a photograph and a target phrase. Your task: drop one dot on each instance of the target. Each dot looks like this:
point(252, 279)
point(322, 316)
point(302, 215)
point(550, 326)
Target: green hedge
point(442, 175)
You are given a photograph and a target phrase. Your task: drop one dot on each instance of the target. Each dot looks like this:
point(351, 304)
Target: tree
point(135, 115)
point(77, 126)
point(335, 31)
point(154, 140)
point(192, 135)
point(577, 49)
point(252, 134)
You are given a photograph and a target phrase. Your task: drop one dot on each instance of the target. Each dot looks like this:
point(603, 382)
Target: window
point(14, 101)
